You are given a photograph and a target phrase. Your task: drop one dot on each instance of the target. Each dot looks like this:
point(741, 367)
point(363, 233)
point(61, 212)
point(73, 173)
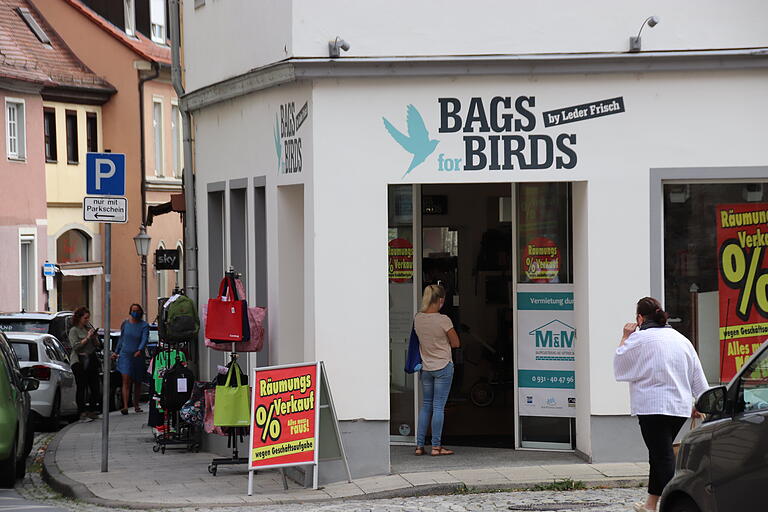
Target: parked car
point(47, 361)
point(15, 425)
point(722, 465)
point(55, 324)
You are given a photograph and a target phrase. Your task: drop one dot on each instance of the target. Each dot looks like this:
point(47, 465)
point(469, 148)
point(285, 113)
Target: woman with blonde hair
point(436, 338)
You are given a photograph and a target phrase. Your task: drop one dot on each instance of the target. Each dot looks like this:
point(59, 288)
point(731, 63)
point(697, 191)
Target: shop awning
point(84, 271)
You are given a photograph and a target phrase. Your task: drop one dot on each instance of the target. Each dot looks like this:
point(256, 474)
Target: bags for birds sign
point(498, 133)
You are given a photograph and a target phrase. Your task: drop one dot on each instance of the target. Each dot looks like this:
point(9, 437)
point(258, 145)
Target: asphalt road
point(11, 500)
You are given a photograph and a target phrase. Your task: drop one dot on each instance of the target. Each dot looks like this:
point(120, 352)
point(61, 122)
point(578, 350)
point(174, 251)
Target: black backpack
point(177, 387)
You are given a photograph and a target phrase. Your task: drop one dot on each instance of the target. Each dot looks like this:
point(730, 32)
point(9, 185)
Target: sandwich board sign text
point(105, 209)
point(289, 405)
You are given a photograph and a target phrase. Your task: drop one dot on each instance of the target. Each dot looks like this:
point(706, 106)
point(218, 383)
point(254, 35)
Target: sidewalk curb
point(70, 488)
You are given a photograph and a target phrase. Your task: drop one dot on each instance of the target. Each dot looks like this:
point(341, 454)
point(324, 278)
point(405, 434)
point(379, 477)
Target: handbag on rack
point(256, 317)
point(413, 359)
point(209, 405)
point(227, 315)
point(232, 402)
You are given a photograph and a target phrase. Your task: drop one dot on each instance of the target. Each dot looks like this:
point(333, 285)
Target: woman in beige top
point(436, 338)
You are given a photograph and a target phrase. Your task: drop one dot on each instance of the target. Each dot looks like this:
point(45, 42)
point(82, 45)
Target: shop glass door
point(401, 242)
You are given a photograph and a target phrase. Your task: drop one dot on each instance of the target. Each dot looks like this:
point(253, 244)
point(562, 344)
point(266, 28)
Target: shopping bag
point(210, 407)
point(413, 359)
point(232, 402)
point(227, 315)
point(256, 318)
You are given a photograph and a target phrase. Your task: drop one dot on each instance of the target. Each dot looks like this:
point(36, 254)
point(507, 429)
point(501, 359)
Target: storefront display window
point(715, 270)
point(544, 233)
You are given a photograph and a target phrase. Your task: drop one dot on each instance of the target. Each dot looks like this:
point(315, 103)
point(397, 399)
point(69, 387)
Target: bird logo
point(417, 142)
point(278, 145)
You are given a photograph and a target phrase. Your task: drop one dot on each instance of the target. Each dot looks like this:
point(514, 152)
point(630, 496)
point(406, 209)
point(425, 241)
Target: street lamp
point(142, 241)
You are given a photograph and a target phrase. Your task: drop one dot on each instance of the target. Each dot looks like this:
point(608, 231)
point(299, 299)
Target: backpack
point(178, 321)
point(177, 387)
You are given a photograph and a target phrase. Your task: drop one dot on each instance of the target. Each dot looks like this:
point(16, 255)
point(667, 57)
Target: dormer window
point(130, 17)
point(33, 25)
point(157, 20)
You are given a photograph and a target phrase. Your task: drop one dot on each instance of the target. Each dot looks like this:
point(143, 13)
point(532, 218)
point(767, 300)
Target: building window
point(157, 20)
point(14, 129)
point(177, 143)
point(49, 129)
point(157, 128)
point(130, 17)
point(72, 146)
point(91, 132)
point(27, 273)
point(714, 268)
point(73, 291)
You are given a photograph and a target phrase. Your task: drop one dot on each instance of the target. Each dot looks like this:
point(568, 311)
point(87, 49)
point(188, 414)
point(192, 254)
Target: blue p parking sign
point(105, 174)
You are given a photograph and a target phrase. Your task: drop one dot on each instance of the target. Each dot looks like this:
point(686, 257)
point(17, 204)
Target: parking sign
point(105, 174)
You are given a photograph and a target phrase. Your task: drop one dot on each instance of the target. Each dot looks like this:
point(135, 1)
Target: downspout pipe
point(188, 174)
point(143, 151)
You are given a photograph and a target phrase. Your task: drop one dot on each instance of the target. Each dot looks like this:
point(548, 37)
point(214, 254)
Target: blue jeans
point(435, 387)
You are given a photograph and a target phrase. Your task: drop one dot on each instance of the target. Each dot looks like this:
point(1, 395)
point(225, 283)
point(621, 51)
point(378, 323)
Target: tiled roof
point(140, 44)
point(24, 57)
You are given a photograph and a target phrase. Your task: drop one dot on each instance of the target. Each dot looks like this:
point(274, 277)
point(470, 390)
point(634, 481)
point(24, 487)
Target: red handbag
point(227, 316)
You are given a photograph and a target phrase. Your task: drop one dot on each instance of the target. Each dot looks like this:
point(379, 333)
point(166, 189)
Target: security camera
point(336, 45)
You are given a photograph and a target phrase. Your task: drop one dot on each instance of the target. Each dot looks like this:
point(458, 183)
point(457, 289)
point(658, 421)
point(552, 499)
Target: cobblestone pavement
point(593, 500)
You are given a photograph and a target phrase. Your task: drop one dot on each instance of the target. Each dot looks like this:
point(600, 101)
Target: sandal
point(123, 411)
point(439, 450)
point(419, 451)
point(138, 410)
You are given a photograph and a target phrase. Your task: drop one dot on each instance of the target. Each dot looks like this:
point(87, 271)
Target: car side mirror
point(712, 401)
point(29, 384)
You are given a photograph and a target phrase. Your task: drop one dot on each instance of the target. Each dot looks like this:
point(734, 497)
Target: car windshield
point(23, 325)
point(25, 351)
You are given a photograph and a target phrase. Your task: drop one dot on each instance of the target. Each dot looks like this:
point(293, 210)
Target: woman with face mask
point(134, 334)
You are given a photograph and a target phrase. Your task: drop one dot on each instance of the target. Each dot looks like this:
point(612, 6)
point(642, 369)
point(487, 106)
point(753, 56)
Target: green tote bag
point(232, 405)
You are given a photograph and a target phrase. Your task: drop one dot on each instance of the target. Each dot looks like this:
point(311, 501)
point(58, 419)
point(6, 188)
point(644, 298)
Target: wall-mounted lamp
point(752, 192)
point(634, 42)
point(336, 45)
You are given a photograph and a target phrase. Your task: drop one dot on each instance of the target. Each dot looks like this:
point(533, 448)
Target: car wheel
point(683, 504)
point(8, 466)
point(54, 420)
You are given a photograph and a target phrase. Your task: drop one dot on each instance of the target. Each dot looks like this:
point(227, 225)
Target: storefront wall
point(669, 121)
point(325, 225)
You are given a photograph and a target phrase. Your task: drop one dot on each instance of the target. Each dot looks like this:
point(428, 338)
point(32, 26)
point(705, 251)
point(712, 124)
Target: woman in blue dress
point(134, 334)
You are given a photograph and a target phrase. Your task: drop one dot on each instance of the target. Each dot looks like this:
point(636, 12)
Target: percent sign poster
point(284, 416)
point(742, 241)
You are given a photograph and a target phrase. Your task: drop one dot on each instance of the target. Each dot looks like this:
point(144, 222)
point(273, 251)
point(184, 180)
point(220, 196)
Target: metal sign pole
point(106, 350)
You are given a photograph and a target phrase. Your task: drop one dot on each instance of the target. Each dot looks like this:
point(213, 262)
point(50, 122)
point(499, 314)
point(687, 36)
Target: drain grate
point(553, 507)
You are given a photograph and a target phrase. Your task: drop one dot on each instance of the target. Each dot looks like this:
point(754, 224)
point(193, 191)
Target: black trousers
point(87, 380)
point(659, 432)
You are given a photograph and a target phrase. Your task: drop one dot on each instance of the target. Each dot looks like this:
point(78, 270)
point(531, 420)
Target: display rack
point(234, 432)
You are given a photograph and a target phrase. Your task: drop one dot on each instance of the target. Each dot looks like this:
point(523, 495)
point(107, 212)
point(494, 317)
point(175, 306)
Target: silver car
point(47, 362)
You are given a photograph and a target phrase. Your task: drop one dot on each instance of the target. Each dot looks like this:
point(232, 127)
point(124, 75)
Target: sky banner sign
point(742, 241)
point(290, 402)
point(546, 351)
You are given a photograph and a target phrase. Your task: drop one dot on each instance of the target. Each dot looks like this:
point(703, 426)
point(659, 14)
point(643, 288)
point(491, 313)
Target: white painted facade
point(327, 283)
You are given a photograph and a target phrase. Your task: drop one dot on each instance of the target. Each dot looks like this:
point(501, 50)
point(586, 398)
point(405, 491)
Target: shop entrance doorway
point(489, 245)
point(467, 247)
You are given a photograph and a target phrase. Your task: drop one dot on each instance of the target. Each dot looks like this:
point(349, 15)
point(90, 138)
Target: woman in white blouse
point(665, 376)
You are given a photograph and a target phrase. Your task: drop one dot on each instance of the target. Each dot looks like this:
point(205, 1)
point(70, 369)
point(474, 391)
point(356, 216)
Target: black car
point(56, 324)
point(722, 466)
